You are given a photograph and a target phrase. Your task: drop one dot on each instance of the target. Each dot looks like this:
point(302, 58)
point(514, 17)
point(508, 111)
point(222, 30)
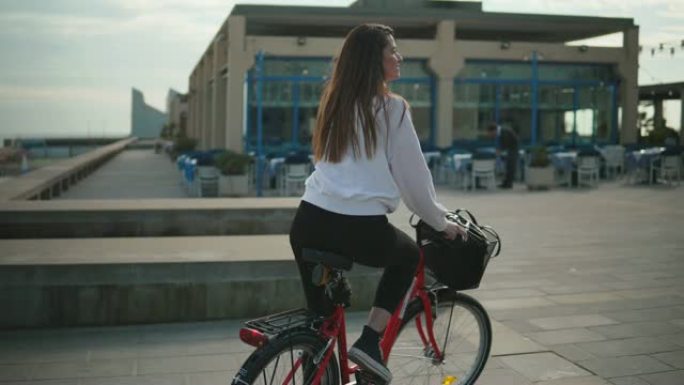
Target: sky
point(68, 66)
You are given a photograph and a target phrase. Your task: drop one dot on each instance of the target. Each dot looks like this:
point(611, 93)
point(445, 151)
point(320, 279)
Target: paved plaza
point(588, 291)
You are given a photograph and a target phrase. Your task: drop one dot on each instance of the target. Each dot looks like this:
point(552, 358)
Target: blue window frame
point(569, 103)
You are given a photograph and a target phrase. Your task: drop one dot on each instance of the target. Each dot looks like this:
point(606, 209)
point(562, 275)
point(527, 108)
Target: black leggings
point(368, 240)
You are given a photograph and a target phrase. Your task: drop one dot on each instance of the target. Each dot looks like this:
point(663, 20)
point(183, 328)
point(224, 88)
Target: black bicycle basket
point(459, 264)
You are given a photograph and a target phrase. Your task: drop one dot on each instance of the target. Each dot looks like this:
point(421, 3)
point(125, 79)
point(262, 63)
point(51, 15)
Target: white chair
point(669, 169)
point(587, 170)
point(615, 160)
point(483, 169)
point(459, 169)
point(294, 176)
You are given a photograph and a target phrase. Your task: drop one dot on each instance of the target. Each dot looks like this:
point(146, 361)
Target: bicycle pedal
point(367, 378)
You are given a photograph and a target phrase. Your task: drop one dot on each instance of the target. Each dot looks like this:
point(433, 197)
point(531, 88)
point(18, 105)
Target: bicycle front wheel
point(463, 334)
point(287, 360)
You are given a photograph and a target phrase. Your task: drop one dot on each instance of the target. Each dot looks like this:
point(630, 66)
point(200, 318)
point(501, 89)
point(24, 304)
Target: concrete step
point(145, 218)
point(115, 281)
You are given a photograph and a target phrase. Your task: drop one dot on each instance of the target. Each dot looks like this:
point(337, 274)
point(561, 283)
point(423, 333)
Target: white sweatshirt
point(364, 186)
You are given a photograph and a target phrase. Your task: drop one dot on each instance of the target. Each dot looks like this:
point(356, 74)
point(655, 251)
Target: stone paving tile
point(572, 352)
point(584, 298)
point(565, 336)
point(15, 372)
point(572, 289)
point(576, 321)
point(507, 293)
point(629, 346)
point(36, 355)
point(677, 339)
point(101, 368)
point(674, 359)
point(628, 381)
point(45, 382)
point(489, 282)
point(623, 366)
point(666, 378)
point(649, 293)
point(516, 303)
point(210, 378)
point(189, 364)
point(652, 314)
point(502, 376)
point(535, 312)
point(636, 329)
point(591, 380)
point(507, 341)
point(543, 366)
point(228, 345)
point(521, 326)
point(176, 379)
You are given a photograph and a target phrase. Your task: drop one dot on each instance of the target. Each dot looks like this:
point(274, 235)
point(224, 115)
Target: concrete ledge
point(49, 181)
point(145, 218)
point(57, 283)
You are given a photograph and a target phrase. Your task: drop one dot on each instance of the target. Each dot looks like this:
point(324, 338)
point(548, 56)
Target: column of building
point(219, 126)
point(629, 89)
point(681, 116)
point(446, 62)
point(239, 61)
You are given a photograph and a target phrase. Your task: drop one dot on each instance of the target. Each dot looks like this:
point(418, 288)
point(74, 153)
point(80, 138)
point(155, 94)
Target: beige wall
point(223, 124)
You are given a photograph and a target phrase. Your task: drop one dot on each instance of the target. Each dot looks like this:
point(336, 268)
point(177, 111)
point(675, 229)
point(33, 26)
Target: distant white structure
point(147, 122)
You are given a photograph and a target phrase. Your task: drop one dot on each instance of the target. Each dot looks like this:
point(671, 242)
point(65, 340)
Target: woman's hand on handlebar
point(453, 230)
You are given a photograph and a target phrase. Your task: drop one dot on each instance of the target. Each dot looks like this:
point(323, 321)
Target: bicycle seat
point(327, 258)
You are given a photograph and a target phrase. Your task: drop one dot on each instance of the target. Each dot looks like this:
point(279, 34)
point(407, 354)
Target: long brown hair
point(358, 77)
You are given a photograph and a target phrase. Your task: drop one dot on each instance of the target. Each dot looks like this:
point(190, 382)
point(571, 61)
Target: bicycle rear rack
point(276, 323)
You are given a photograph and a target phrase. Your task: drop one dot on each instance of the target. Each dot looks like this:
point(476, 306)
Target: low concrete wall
point(117, 294)
point(170, 217)
point(49, 181)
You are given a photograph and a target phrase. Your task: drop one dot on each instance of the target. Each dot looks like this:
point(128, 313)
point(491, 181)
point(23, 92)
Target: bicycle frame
point(334, 328)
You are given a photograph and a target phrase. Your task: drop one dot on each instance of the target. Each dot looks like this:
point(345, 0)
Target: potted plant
point(182, 144)
point(539, 172)
point(233, 173)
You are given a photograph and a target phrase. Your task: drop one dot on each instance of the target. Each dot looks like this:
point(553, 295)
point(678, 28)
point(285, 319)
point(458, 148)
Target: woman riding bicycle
point(367, 156)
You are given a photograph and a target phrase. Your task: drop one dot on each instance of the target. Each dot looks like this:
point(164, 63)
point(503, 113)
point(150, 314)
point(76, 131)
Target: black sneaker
point(366, 353)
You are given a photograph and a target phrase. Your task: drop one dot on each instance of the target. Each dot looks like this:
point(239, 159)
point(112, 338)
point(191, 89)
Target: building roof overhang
point(661, 91)
point(421, 23)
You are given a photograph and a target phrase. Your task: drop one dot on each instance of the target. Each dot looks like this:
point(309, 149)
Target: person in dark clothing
point(506, 140)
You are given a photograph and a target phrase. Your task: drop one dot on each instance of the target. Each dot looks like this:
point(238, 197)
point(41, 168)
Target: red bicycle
point(436, 335)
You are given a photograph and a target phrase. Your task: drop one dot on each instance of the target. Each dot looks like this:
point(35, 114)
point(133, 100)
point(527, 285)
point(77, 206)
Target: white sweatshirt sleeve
point(410, 171)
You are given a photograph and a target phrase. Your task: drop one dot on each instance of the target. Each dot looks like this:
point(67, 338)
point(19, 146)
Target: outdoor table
point(431, 155)
point(643, 160)
point(564, 161)
point(461, 162)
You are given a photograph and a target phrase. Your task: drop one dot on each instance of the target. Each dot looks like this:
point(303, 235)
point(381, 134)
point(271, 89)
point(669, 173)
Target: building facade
point(177, 111)
point(260, 79)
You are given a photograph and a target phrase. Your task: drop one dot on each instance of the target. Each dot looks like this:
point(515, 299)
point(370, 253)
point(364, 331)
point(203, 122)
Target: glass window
point(473, 107)
point(574, 72)
point(515, 109)
point(297, 67)
point(289, 106)
point(495, 70)
point(415, 85)
point(554, 102)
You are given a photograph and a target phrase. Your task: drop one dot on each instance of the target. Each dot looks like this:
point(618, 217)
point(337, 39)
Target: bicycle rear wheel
point(463, 334)
point(276, 363)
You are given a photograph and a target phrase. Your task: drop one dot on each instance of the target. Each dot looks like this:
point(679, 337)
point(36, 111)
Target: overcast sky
point(68, 66)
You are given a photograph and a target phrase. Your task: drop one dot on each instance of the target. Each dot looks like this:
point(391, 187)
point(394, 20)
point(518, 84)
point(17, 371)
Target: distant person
point(367, 156)
point(506, 140)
